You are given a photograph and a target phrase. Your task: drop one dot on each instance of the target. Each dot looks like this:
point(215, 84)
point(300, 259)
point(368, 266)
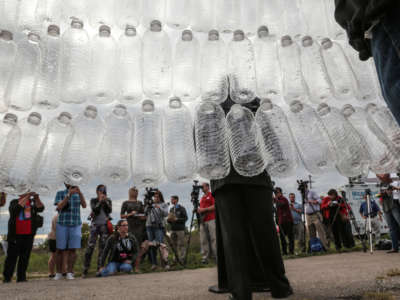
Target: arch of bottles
point(116, 89)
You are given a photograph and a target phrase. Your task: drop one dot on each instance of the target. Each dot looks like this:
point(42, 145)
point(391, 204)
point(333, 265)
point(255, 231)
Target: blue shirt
point(297, 216)
point(374, 209)
point(70, 215)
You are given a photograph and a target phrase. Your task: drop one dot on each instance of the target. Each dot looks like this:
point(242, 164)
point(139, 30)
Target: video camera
point(302, 186)
point(195, 194)
point(148, 197)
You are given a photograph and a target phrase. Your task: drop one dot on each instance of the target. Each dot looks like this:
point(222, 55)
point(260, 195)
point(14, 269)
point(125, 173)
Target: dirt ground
point(339, 276)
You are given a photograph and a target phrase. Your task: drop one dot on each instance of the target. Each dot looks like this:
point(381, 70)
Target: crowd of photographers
point(142, 230)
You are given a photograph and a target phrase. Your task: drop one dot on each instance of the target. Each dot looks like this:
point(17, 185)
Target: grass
point(378, 296)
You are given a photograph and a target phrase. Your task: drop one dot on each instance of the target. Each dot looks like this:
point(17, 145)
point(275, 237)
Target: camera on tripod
point(148, 198)
point(302, 185)
point(195, 194)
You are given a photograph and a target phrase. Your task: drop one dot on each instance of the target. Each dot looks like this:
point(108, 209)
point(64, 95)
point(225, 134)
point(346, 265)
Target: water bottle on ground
point(280, 149)
point(20, 88)
point(214, 69)
point(212, 150)
point(8, 51)
point(128, 13)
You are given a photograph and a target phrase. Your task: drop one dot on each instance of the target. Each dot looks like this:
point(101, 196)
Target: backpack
point(384, 245)
point(316, 245)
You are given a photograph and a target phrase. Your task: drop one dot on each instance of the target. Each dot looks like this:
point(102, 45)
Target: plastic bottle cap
point(104, 31)
point(148, 106)
point(65, 118)
point(155, 26)
point(323, 109)
point(307, 41)
point(90, 112)
point(286, 41)
point(296, 106)
point(10, 119)
point(187, 35)
point(34, 118)
point(213, 35)
point(76, 23)
point(263, 32)
point(348, 110)
point(130, 30)
point(33, 37)
point(238, 35)
point(266, 104)
point(6, 35)
point(207, 108)
point(371, 108)
point(120, 110)
point(175, 102)
point(53, 30)
point(326, 43)
point(237, 111)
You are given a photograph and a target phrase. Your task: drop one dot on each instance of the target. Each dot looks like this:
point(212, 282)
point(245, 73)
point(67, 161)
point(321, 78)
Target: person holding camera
point(68, 232)
point(133, 211)
point(155, 225)
point(285, 221)
point(391, 210)
point(120, 251)
point(101, 209)
point(207, 226)
point(22, 226)
point(177, 218)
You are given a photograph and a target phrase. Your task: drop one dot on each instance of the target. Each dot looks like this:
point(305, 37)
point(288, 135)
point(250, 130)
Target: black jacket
point(14, 210)
point(110, 249)
point(96, 207)
point(357, 16)
point(181, 215)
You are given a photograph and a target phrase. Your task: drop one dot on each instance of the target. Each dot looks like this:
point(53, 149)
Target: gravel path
point(338, 276)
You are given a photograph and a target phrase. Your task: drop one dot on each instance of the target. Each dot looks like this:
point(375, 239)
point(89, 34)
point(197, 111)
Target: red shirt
point(326, 209)
point(283, 210)
point(23, 222)
point(207, 201)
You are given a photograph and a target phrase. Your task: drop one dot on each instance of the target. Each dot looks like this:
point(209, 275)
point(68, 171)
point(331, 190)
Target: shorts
point(52, 246)
point(68, 237)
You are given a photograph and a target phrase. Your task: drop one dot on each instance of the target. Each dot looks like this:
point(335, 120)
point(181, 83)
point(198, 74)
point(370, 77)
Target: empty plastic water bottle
point(147, 157)
point(128, 13)
point(26, 15)
point(8, 123)
point(212, 150)
point(49, 11)
point(383, 124)
point(270, 13)
point(186, 70)
point(228, 13)
point(246, 144)
point(48, 175)
point(20, 88)
point(314, 14)
point(152, 10)
point(101, 13)
point(214, 69)
point(157, 63)
point(8, 50)
point(249, 16)
point(293, 84)
point(313, 143)
point(293, 22)
point(341, 74)
point(242, 69)
point(130, 67)
point(334, 29)
point(74, 9)
point(314, 71)
point(280, 149)
point(75, 64)
point(178, 143)
point(8, 14)
point(269, 82)
point(202, 15)
point(384, 157)
point(115, 157)
point(351, 155)
point(81, 155)
point(103, 67)
point(21, 166)
point(177, 13)
point(46, 91)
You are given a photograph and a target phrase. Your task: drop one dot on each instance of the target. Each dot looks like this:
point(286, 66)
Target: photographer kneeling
point(121, 250)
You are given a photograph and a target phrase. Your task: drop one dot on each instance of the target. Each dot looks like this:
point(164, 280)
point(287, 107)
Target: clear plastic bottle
point(315, 18)
point(48, 177)
point(292, 19)
point(384, 157)
point(152, 10)
point(8, 51)
point(49, 11)
point(177, 13)
point(313, 143)
point(186, 70)
point(74, 9)
point(80, 161)
point(103, 67)
point(249, 16)
point(293, 84)
point(268, 70)
point(8, 14)
point(242, 69)
point(101, 13)
point(383, 124)
point(129, 67)
point(8, 123)
point(270, 13)
point(115, 157)
point(147, 157)
point(341, 74)
point(128, 13)
point(280, 149)
point(46, 91)
point(178, 143)
point(20, 88)
point(246, 144)
point(21, 167)
point(212, 149)
point(352, 157)
point(157, 63)
point(314, 71)
point(334, 29)
point(214, 69)
point(202, 16)
point(75, 64)
point(228, 15)
point(26, 15)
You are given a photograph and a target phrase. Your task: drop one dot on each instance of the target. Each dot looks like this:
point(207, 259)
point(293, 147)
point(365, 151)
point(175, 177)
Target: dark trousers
point(18, 249)
point(96, 232)
point(286, 231)
point(339, 231)
point(246, 237)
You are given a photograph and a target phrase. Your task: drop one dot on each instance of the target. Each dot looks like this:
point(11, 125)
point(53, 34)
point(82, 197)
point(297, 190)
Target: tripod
point(368, 194)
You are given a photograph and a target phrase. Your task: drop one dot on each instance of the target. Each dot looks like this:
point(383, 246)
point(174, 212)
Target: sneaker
point(70, 276)
point(84, 273)
point(393, 251)
point(167, 267)
point(58, 276)
point(204, 261)
point(153, 267)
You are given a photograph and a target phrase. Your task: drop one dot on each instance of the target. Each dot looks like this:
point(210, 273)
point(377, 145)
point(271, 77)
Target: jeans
point(393, 220)
point(386, 52)
point(154, 234)
point(114, 267)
